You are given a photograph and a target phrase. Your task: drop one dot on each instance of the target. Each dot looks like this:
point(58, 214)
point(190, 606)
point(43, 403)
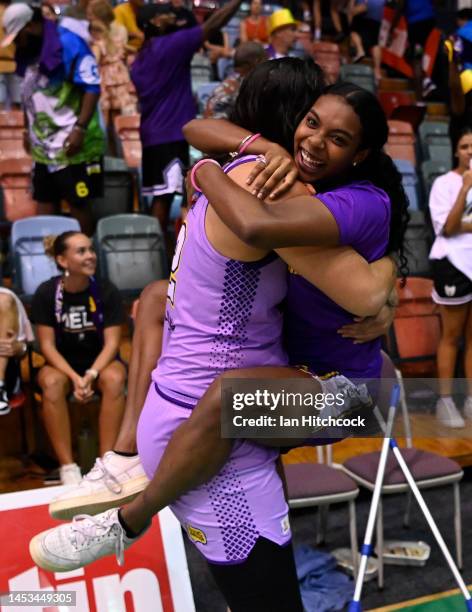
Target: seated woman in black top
point(78, 323)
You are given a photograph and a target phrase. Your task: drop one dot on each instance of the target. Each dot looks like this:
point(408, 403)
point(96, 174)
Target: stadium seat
point(418, 242)
point(15, 181)
point(328, 56)
point(201, 71)
point(350, 71)
point(440, 152)
point(204, 91)
point(390, 100)
point(416, 328)
point(118, 190)
point(401, 141)
point(433, 133)
point(12, 124)
point(131, 252)
point(386, 84)
point(410, 182)
point(12, 149)
point(31, 266)
point(430, 170)
point(437, 109)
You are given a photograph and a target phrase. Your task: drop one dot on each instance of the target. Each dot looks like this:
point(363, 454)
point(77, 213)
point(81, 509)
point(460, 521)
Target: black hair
point(270, 94)
point(464, 14)
point(54, 246)
point(458, 134)
point(378, 167)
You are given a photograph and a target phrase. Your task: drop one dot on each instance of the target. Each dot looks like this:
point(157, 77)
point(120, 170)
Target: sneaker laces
point(99, 472)
point(86, 528)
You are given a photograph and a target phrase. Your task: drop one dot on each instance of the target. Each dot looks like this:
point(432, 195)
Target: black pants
point(265, 582)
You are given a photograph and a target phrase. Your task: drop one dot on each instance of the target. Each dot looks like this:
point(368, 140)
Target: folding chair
point(31, 266)
point(131, 252)
point(428, 470)
point(320, 484)
point(15, 181)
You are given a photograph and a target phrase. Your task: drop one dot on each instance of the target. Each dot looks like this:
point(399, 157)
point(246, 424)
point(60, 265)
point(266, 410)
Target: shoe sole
point(94, 504)
point(36, 552)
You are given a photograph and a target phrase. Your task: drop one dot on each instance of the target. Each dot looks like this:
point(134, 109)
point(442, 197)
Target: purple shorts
point(224, 517)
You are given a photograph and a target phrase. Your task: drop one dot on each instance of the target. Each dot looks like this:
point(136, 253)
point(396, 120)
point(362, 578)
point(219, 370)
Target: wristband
point(207, 160)
point(246, 142)
point(94, 373)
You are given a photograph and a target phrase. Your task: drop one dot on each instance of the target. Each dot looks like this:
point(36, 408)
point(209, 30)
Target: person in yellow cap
point(282, 33)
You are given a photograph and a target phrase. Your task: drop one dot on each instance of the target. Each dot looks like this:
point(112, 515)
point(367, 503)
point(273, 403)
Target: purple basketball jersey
point(221, 314)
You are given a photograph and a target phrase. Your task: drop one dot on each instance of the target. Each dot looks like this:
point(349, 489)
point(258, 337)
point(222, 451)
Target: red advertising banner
point(154, 577)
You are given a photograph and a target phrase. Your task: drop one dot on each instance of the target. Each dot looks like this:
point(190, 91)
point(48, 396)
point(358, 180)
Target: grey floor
point(401, 583)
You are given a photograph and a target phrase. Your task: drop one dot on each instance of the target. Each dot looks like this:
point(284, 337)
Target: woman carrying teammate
point(248, 528)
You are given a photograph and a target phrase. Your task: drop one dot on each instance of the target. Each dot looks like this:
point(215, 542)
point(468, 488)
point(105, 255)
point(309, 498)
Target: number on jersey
point(176, 263)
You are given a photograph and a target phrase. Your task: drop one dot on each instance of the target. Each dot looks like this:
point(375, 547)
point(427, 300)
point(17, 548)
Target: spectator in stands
point(421, 20)
point(60, 92)
point(282, 33)
point(184, 18)
point(161, 75)
point(254, 27)
point(78, 322)
point(217, 46)
point(450, 205)
point(317, 19)
point(221, 102)
point(365, 17)
point(15, 332)
point(459, 52)
point(109, 40)
point(126, 14)
point(10, 83)
point(335, 8)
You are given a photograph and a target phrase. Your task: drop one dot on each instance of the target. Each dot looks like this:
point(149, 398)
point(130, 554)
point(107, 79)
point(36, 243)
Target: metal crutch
point(366, 550)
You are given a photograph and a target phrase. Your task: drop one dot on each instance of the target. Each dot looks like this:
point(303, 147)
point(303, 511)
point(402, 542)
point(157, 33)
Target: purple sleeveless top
point(362, 212)
point(221, 313)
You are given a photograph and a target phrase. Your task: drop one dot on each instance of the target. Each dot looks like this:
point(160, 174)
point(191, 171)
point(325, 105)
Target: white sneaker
point(447, 413)
point(70, 474)
point(468, 407)
point(84, 540)
point(113, 481)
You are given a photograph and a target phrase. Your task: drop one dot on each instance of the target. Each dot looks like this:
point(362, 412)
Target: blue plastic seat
point(31, 266)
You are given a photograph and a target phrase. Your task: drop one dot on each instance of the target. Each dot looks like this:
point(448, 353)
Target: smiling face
point(327, 140)
point(464, 152)
point(79, 257)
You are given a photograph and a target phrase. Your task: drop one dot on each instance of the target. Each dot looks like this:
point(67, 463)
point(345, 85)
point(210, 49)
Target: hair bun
point(48, 242)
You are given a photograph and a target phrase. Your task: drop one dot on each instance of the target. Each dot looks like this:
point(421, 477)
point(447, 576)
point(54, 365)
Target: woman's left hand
point(274, 175)
point(365, 329)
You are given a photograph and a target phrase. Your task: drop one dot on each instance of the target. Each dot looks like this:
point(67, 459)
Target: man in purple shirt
point(161, 75)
